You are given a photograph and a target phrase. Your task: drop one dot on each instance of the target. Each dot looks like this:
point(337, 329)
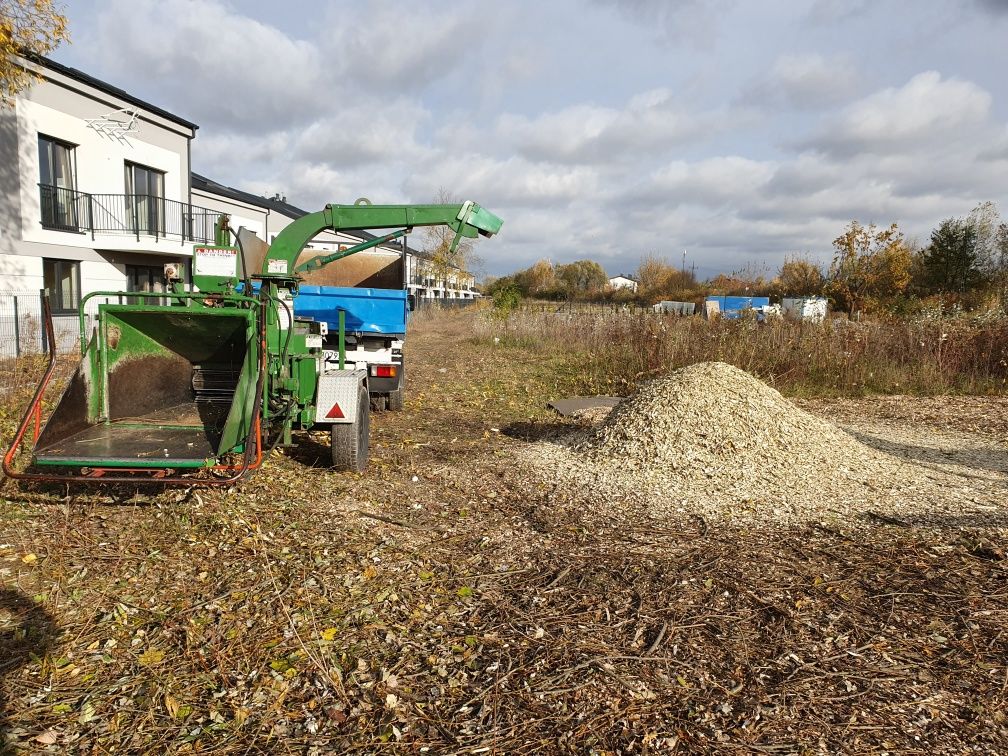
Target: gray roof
point(103, 86)
point(284, 208)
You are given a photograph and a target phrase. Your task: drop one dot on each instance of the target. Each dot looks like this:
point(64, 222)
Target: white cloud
point(587, 133)
point(711, 181)
point(512, 181)
point(369, 132)
point(927, 108)
point(693, 22)
point(806, 81)
point(223, 68)
point(394, 46)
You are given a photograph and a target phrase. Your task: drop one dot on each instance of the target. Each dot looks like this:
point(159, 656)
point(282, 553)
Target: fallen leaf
point(87, 713)
point(151, 656)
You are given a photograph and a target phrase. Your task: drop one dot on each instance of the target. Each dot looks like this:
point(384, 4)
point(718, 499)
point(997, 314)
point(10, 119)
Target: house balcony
point(137, 215)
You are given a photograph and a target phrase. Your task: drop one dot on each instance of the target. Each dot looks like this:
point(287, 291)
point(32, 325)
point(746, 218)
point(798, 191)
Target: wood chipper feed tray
point(712, 440)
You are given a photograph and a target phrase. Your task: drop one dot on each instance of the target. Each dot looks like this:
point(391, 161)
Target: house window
point(145, 278)
point(57, 196)
point(145, 197)
point(61, 279)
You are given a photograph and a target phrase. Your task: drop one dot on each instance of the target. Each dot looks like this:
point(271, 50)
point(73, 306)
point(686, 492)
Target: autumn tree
point(443, 263)
point(652, 272)
point(27, 28)
point(869, 262)
point(582, 277)
point(537, 280)
point(799, 276)
point(657, 279)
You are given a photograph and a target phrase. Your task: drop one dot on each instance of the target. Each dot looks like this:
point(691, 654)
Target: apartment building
point(97, 193)
point(94, 189)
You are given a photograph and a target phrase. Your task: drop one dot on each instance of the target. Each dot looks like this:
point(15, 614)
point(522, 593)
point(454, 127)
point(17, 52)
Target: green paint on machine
point(220, 371)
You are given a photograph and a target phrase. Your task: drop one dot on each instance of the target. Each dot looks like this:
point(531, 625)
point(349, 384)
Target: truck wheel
point(349, 441)
point(379, 402)
point(395, 398)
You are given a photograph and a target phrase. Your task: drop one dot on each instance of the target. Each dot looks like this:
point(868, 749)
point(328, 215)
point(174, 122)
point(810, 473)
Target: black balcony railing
point(126, 214)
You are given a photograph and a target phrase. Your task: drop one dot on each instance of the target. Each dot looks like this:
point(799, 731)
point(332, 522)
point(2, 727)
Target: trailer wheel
point(395, 398)
point(349, 441)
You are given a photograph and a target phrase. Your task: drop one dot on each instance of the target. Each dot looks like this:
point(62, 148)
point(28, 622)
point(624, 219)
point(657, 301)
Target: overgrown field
point(444, 603)
point(837, 358)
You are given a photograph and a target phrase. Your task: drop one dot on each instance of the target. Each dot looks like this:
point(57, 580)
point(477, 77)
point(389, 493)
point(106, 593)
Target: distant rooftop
point(276, 205)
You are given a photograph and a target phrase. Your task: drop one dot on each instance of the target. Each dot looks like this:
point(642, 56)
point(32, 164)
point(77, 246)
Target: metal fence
point(431, 303)
point(128, 214)
point(21, 327)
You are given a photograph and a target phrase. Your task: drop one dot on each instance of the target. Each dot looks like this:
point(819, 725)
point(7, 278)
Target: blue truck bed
point(380, 311)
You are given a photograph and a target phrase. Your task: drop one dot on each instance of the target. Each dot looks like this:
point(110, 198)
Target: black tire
point(348, 442)
point(379, 402)
point(396, 398)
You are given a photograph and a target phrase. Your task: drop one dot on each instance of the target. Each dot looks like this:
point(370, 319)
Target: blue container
point(382, 311)
point(732, 307)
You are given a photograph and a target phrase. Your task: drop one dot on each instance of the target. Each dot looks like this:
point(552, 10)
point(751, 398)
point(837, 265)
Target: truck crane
point(199, 389)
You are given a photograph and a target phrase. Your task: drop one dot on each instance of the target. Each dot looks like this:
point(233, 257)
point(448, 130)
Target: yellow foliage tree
point(27, 28)
point(799, 276)
point(869, 262)
point(540, 278)
point(657, 279)
point(443, 264)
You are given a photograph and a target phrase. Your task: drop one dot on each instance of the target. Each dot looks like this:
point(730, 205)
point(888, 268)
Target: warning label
point(215, 261)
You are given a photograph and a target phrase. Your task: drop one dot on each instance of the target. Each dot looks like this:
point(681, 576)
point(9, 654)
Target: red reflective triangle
point(335, 411)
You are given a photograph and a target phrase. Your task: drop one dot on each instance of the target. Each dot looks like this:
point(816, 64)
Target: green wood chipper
point(197, 390)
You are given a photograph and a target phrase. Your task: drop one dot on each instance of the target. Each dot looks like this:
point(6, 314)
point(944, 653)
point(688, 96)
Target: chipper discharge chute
point(194, 390)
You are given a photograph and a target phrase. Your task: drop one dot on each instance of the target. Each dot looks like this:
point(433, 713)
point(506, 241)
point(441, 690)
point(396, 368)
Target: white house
point(623, 282)
point(97, 194)
point(94, 189)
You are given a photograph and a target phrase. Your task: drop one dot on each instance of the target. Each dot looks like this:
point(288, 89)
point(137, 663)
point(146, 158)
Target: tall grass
point(618, 349)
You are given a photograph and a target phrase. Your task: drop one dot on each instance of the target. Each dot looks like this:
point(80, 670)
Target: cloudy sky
point(741, 131)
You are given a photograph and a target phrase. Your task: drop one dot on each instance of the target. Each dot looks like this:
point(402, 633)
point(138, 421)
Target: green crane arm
point(467, 220)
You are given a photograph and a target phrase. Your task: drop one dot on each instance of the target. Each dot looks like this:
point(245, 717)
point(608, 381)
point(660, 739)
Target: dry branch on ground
point(466, 612)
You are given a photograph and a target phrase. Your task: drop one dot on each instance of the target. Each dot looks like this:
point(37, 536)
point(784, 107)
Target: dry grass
point(462, 612)
point(836, 358)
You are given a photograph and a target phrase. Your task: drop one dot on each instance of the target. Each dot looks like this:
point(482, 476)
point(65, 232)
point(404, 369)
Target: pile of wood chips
point(714, 441)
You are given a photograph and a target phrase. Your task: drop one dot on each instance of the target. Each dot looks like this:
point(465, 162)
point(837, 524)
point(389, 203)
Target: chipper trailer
point(197, 390)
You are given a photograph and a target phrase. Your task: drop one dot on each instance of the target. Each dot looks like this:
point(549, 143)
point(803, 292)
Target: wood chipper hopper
point(159, 390)
point(223, 370)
